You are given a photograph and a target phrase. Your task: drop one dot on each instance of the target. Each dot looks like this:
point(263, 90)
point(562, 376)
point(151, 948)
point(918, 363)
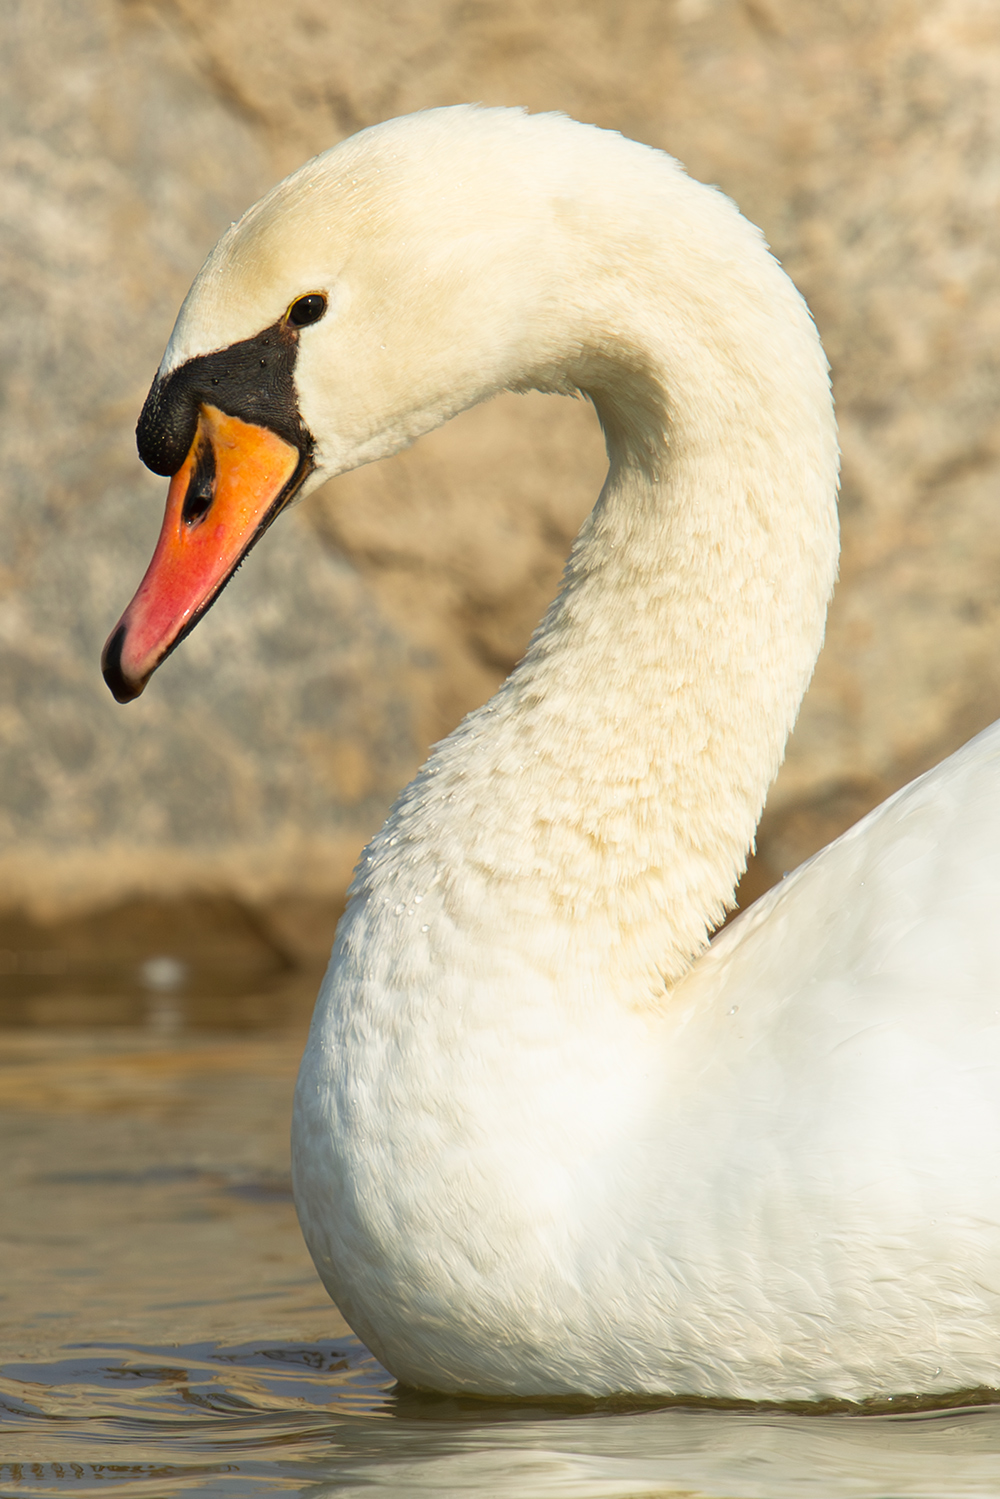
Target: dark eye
point(306, 310)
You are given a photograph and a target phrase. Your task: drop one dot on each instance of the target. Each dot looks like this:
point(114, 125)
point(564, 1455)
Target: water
point(162, 1331)
point(323, 1418)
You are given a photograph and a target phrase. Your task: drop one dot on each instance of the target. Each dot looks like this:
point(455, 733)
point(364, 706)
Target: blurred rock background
point(222, 812)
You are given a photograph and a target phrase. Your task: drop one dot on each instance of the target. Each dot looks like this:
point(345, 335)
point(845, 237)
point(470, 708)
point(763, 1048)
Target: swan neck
point(596, 814)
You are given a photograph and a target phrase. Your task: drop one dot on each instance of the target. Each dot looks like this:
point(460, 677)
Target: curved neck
point(596, 814)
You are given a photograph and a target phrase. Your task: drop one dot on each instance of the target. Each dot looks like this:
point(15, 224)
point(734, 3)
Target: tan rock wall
point(864, 138)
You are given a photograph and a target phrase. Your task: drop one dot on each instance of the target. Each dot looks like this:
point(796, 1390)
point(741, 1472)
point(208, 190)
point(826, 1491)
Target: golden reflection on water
point(162, 1330)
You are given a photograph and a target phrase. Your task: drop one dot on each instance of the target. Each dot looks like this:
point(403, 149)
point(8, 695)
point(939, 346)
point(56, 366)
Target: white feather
point(541, 1145)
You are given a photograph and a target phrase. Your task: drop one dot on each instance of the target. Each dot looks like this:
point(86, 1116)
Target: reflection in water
point(325, 1419)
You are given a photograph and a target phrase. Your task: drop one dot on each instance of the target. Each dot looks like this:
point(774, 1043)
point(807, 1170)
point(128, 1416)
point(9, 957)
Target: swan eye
point(306, 310)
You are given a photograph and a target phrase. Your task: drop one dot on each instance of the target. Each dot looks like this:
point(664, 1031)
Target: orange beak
point(232, 484)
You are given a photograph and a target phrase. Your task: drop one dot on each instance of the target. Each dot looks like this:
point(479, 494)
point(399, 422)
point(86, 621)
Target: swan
point(548, 1140)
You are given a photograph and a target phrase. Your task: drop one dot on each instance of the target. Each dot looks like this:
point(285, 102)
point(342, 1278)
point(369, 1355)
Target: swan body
point(781, 1187)
point(546, 1139)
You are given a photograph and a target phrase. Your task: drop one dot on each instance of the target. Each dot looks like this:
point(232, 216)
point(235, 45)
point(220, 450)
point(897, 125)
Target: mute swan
point(546, 1141)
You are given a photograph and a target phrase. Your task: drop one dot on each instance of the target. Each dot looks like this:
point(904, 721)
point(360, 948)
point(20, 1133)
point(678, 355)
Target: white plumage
point(540, 1144)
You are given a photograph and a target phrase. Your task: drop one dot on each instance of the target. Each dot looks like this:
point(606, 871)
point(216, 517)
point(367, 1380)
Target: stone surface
point(863, 138)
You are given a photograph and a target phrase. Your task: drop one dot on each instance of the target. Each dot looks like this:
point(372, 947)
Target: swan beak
point(235, 479)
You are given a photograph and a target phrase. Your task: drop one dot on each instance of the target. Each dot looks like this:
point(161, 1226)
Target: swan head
point(362, 302)
point(424, 265)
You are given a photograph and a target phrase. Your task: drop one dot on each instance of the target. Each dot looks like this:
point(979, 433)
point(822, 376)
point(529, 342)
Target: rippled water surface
point(324, 1418)
point(162, 1331)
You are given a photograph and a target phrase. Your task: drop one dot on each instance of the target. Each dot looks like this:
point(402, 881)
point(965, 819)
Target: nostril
point(201, 489)
point(197, 502)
